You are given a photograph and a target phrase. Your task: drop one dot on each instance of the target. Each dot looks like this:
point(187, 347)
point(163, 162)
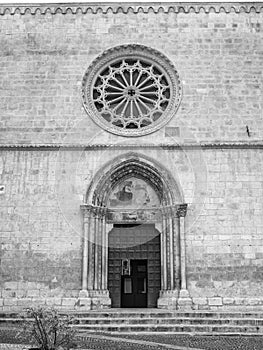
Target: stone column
point(164, 253)
point(177, 264)
point(86, 223)
point(184, 300)
point(91, 250)
point(84, 301)
point(96, 250)
point(171, 252)
point(104, 266)
point(94, 272)
point(169, 291)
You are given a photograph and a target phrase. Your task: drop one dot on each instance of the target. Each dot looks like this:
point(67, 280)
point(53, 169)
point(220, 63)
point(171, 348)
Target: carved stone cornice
point(169, 146)
point(117, 7)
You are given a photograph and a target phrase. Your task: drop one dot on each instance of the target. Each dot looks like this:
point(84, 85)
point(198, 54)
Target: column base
point(84, 301)
point(168, 299)
point(100, 299)
point(185, 301)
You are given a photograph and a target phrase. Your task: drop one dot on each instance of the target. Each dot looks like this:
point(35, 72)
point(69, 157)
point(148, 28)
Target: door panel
point(134, 287)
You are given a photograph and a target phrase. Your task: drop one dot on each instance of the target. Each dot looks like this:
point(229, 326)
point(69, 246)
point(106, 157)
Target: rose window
point(134, 92)
point(131, 93)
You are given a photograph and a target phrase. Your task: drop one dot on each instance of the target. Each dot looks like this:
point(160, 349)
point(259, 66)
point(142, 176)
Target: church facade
point(131, 156)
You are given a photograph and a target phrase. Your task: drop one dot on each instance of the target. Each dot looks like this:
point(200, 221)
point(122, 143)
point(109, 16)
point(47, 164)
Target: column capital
point(169, 210)
point(181, 210)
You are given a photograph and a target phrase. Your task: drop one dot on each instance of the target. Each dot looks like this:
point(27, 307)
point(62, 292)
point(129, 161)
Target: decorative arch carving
point(133, 164)
point(168, 217)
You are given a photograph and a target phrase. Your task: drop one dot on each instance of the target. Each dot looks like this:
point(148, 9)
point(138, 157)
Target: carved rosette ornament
point(131, 90)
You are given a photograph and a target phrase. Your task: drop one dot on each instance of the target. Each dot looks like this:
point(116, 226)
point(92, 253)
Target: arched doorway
point(133, 190)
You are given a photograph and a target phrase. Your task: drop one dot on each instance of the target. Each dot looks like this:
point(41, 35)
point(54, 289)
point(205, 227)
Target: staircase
point(154, 320)
point(145, 320)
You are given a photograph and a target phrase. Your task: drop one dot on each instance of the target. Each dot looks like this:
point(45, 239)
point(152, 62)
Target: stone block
point(24, 302)
point(253, 301)
point(10, 285)
point(38, 301)
point(1, 302)
point(32, 285)
point(228, 301)
point(214, 308)
point(203, 307)
point(200, 301)
point(21, 293)
point(68, 302)
point(10, 301)
point(21, 285)
point(8, 293)
point(239, 301)
point(33, 293)
point(83, 303)
point(53, 301)
point(217, 301)
point(100, 303)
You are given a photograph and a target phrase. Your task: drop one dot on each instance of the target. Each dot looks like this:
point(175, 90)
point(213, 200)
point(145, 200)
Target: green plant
point(46, 329)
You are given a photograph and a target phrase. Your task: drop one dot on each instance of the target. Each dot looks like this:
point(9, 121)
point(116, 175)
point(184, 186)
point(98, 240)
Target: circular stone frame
point(132, 51)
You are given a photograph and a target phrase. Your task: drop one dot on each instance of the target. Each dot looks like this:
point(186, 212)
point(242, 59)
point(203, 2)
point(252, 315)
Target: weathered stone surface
point(203, 47)
point(43, 59)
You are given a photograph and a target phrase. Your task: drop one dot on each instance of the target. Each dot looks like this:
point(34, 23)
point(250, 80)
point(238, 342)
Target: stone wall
point(225, 247)
point(44, 54)
point(44, 57)
point(41, 223)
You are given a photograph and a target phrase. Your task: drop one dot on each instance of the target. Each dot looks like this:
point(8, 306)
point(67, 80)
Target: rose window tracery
point(133, 92)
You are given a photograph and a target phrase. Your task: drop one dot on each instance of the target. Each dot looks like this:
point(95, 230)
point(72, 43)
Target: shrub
point(46, 329)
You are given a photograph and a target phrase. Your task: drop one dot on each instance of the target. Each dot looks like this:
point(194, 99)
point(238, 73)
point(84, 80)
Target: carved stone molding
point(140, 216)
point(104, 8)
point(203, 145)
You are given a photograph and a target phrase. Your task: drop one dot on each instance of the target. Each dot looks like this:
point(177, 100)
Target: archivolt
point(128, 165)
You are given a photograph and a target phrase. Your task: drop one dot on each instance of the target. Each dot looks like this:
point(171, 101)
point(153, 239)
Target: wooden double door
point(134, 286)
point(139, 246)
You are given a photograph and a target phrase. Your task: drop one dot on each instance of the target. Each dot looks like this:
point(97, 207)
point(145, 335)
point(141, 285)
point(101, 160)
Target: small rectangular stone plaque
point(171, 131)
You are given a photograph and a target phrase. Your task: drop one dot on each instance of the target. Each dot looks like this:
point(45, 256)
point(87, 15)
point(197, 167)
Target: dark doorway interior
point(140, 246)
point(134, 286)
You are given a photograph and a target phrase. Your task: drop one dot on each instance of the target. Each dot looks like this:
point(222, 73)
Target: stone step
point(118, 314)
point(189, 329)
point(147, 321)
point(154, 320)
point(143, 314)
point(172, 320)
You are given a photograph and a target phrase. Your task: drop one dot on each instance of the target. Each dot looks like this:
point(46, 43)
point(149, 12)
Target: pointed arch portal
point(134, 190)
